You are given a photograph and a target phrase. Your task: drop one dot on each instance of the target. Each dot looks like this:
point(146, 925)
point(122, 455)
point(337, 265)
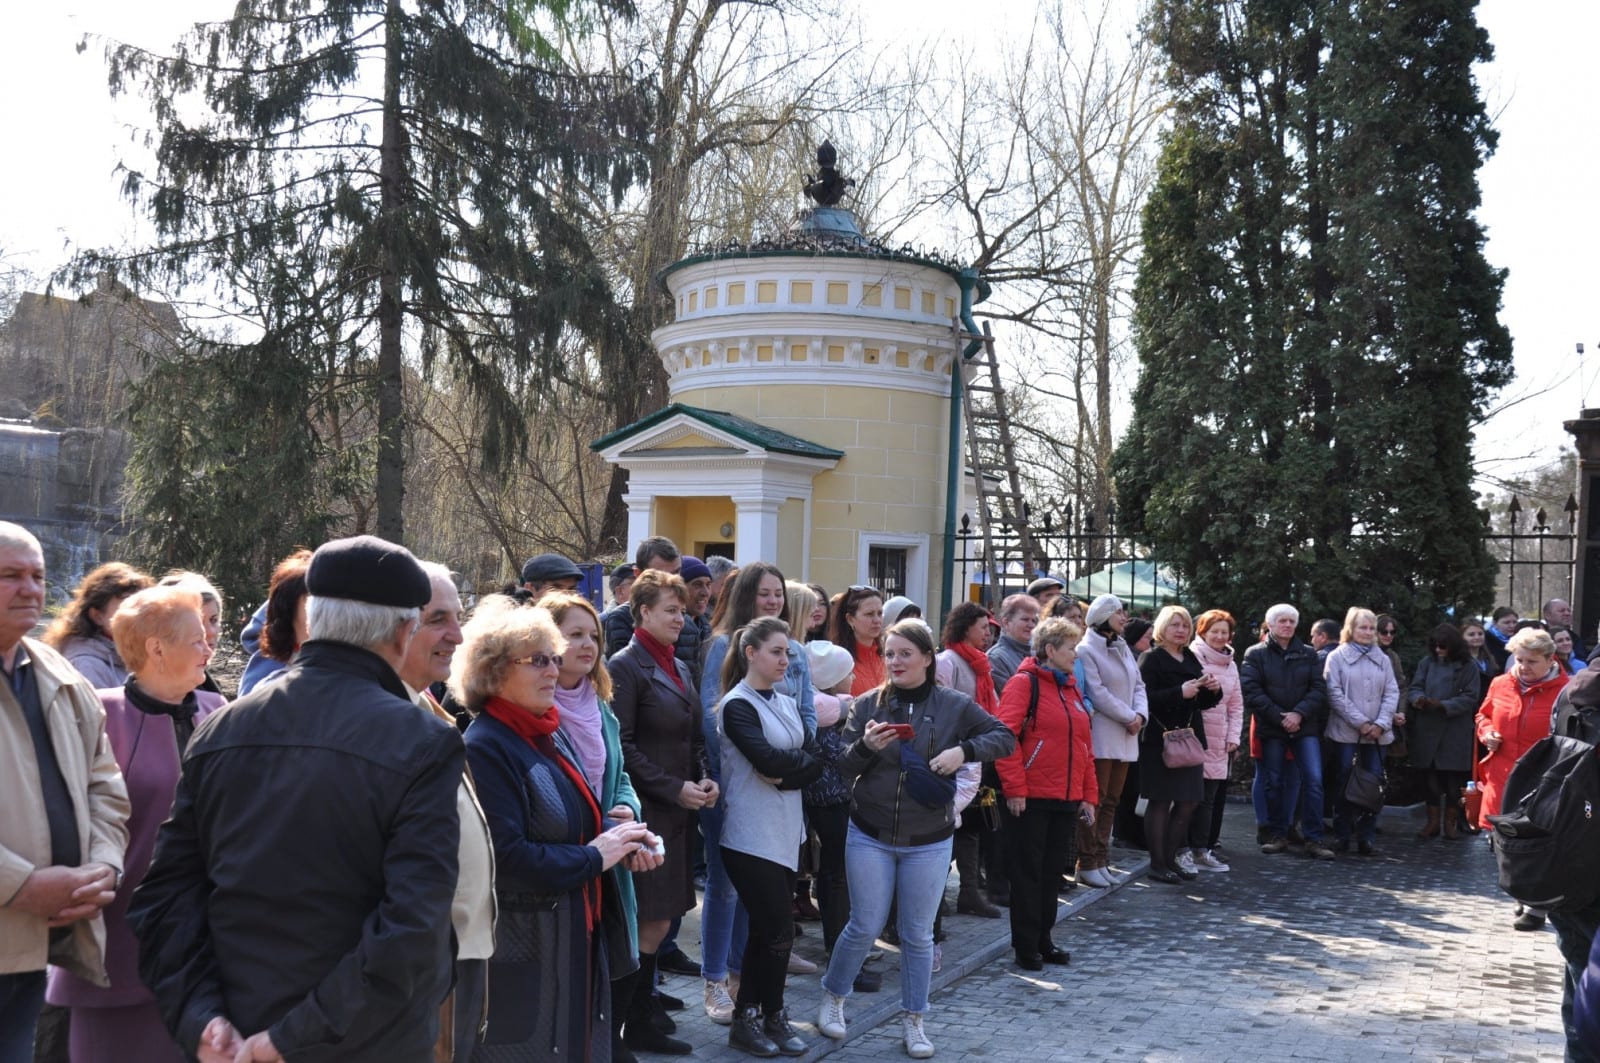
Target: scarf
point(659, 652)
point(580, 722)
point(182, 714)
point(539, 732)
point(978, 661)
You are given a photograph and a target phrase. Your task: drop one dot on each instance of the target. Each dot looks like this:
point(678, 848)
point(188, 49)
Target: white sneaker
point(1095, 878)
point(830, 1017)
point(1185, 862)
point(719, 1003)
point(938, 959)
point(1206, 860)
point(798, 964)
point(917, 1044)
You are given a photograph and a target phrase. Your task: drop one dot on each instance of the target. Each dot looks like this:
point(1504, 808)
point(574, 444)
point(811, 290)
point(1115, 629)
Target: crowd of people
point(417, 834)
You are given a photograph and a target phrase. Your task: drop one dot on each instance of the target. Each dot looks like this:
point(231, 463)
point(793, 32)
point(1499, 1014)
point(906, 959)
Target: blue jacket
point(1586, 1000)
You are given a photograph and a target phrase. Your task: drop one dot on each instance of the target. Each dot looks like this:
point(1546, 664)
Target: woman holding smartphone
point(905, 741)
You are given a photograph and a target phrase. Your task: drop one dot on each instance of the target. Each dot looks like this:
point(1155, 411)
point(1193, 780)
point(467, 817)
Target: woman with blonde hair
point(82, 633)
point(556, 939)
point(149, 720)
point(583, 694)
point(1515, 715)
point(1180, 691)
point(1363, 704)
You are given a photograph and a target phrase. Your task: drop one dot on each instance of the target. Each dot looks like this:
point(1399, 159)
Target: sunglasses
point(539, 660)
point(1386, 631)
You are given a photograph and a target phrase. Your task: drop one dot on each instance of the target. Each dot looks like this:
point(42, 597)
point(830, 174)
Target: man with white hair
point(63, 807)
point(1281, 679)
point(299, 901)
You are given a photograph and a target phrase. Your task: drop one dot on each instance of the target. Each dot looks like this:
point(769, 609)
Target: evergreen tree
point(1316, 321)
point(367, 183)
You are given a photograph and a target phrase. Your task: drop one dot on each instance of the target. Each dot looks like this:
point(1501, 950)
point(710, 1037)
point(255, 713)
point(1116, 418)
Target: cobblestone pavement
point(1405, 955)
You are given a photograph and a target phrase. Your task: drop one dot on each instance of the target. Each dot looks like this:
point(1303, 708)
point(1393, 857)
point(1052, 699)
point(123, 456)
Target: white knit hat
point(829, 662)
point(1101, 608)
point(894, 607)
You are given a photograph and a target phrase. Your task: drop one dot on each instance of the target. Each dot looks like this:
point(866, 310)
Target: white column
point(756, 529)
point(640, 509)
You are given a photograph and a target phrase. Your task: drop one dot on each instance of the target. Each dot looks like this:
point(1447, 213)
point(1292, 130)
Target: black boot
point(621, 1001)
point(746, 1034)
point(643, 1034)
point(776, 1027)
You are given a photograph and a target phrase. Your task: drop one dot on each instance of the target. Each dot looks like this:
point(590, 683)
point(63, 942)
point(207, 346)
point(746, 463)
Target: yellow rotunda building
point(810, 415)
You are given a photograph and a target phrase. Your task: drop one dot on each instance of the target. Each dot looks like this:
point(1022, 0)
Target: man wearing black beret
point(298, 904)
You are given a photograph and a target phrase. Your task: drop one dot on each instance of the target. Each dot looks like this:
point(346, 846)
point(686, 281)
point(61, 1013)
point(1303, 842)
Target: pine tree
point(1316, 320)
point(376, 187)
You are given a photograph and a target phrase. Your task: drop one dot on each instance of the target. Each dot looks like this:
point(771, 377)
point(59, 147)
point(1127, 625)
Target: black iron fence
point(1536, 561)
point(1090, 560)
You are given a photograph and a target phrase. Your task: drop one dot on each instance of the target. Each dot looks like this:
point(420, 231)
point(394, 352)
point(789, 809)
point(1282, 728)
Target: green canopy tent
point(1140, 584)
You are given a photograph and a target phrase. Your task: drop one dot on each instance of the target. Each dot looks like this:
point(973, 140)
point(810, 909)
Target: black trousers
point(1039, 843)
point(1575, 931)
point(767, 890)
point(468, 1006)
point(1200, 824)
point(832, 823)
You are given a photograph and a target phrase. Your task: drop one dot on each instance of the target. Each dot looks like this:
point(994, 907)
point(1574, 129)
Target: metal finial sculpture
point(826, 188)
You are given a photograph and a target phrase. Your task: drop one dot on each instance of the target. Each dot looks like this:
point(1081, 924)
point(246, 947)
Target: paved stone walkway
point(1406, 955)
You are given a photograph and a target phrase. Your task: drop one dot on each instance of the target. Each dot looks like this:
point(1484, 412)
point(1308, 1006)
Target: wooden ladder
point(992, 456)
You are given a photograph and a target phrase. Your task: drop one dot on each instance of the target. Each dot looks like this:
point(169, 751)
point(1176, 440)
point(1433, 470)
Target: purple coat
point(146, 748)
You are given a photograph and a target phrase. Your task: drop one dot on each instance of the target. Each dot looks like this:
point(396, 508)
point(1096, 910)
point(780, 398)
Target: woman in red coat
point(1515, 715)
point(1049, 785)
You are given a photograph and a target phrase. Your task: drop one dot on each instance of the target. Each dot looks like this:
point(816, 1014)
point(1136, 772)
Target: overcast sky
point(63, 136)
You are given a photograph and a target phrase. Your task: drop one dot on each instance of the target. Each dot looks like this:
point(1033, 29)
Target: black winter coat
point(1276, 680)
point(303, 884)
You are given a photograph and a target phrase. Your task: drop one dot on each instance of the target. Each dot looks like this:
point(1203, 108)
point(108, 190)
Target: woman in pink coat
point(1224, 723)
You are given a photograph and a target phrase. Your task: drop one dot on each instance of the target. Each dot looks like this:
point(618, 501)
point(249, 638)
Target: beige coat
point(77, 731)
point(473, 911)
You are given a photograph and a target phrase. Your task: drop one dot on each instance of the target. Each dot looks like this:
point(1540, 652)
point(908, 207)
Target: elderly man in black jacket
point(1281, 680)
point(298, 905)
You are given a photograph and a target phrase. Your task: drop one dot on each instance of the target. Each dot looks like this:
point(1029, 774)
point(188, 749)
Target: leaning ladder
point(992, 456)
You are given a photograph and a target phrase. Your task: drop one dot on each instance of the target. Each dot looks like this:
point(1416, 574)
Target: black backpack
point(1547, 835)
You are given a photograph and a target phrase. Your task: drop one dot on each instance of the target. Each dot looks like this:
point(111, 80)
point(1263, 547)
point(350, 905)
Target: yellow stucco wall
point(890, 480)
point(692, 522)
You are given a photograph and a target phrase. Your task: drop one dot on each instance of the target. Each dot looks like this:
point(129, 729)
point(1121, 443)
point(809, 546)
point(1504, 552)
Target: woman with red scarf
point(664, 750)
point(558, 935)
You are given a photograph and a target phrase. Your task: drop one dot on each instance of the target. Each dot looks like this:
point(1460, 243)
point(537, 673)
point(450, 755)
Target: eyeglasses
point(539, 660)
point(1386, 631)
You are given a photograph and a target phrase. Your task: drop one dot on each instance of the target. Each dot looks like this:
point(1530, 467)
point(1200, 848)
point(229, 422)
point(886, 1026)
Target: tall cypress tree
point(375, 185)
point(1315, 318)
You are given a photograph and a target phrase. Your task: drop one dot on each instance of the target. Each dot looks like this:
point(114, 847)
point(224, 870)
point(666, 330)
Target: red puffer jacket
point(1055, 755)
point(1522, 717)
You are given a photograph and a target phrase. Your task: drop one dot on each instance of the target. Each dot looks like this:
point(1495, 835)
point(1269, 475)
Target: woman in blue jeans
point(904, 743)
